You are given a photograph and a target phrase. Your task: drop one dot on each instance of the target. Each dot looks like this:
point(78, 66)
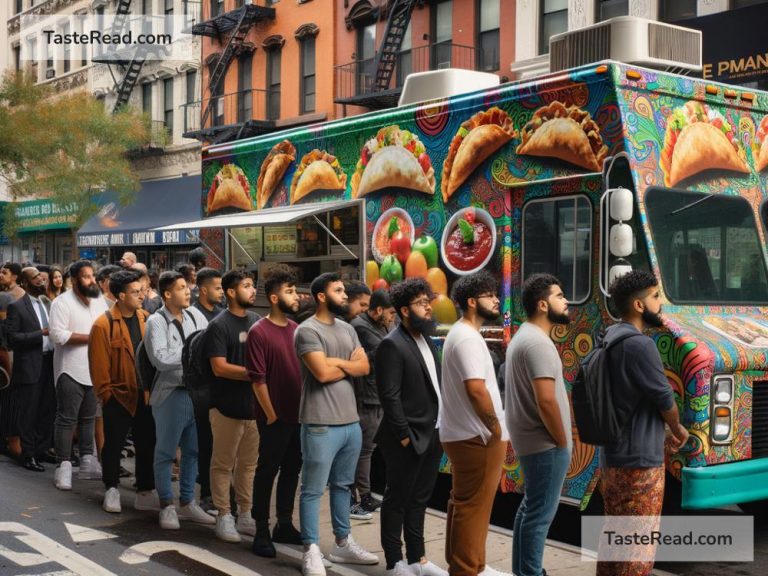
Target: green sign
point(36, 215)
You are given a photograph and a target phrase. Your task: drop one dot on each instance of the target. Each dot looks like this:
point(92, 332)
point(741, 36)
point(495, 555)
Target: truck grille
point(760, 419)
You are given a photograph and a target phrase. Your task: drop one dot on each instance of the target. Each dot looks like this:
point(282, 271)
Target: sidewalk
point(559, 559)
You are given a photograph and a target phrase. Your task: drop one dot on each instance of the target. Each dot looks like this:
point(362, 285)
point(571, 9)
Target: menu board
point(249, 250)
point(280, 241)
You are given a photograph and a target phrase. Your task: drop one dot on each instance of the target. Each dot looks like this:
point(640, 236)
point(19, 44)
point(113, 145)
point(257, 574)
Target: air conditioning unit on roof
point(630, 40)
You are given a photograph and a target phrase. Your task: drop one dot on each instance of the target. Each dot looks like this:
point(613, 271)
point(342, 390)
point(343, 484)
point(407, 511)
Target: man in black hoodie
point(632, 468)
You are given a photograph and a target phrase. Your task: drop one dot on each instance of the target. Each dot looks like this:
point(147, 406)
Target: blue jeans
point(543, 475)
point(330, 458)
point(175, 426)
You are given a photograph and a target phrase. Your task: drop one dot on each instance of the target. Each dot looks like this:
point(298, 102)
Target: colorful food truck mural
point(523, 178)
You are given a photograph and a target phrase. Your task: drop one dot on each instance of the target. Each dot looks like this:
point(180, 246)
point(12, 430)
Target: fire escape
point(215, 123)
point(382, 95)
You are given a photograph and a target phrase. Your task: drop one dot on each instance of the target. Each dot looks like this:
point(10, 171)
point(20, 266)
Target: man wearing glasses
point(473, 430)
point(408, 383)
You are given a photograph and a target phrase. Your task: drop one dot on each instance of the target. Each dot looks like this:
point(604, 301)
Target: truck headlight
point(723, 389)
point(722, 424)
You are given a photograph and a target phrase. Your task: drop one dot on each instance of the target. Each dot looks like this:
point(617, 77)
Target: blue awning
point(158, 203)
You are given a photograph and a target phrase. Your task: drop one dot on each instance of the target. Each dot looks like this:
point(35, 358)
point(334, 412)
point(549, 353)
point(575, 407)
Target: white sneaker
point(489, 571)
point(90, 469)
point(312, 562)
point(192, 512)
point(225, 528)
point(147, 501)
point(112, 501)
point(352, 553)
point(427, 569)
point(169, 520)
point(246, 524)
point(401, 569)
point(62, 478)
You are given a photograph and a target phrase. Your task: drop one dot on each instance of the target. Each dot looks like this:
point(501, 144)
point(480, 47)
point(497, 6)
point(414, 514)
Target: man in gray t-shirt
point(538, 418)
point(331, 356)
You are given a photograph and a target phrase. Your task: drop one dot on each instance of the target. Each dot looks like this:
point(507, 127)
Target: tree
point(65, 147)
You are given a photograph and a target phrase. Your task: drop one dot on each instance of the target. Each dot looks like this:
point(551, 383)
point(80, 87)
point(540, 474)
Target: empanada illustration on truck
point(272, 171)
point(317, 170)
point(477, 140)
point(393, 158)
point(566, 133)
point(698, 138)
point(230, 190)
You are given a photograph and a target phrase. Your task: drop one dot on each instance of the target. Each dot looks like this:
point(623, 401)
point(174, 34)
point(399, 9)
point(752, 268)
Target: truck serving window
point(557, 239)
point(708, 247)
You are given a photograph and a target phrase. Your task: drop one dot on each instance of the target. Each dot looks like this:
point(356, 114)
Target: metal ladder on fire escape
point(386, 59)
point(232, 49)
point(131, 76)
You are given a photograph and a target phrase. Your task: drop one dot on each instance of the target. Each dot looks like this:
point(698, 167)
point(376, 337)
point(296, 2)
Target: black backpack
point(195, 377)
point(592, 397)
point(146, 373)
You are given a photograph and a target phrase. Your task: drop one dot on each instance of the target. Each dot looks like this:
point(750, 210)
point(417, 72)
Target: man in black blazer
point(32, 376)
point(408, 382)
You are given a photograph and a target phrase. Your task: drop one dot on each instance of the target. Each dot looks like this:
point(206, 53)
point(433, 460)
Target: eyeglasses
point(422, 303)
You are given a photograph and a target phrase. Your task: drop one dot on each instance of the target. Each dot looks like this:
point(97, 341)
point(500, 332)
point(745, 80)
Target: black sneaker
point(262, 545)
point(286, 534)
point(369, 503)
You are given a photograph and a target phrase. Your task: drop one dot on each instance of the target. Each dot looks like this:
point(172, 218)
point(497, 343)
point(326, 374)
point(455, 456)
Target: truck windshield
point(707, 246)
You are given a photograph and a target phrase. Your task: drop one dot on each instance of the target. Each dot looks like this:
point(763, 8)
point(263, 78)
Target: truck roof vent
point(438, 84)
point(631, 40)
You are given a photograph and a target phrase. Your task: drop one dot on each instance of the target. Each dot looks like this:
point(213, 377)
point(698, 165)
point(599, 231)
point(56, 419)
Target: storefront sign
point(734, 47)
point(142, 238)
point(37, 215)
point(280, 240)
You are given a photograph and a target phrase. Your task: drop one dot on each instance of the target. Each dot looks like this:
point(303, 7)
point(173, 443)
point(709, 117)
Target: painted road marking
point(81, 534)
point(140, 553)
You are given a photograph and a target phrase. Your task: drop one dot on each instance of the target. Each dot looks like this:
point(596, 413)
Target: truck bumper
point(725, 484)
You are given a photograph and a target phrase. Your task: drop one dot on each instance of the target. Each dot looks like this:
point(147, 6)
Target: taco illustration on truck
point(272, 171)
point(317, 170)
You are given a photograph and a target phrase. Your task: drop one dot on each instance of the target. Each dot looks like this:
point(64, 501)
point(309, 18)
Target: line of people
point(237, 401)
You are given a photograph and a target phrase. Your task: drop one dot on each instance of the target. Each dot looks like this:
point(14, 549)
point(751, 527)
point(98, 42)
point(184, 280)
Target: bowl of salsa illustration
point(469, 240)
point(389, 223)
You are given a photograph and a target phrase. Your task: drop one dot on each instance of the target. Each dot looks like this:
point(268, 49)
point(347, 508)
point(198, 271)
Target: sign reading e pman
point(668, 538)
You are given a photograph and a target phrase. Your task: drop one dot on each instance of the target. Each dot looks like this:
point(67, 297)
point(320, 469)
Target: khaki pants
point(476, 472)
point(235, 449)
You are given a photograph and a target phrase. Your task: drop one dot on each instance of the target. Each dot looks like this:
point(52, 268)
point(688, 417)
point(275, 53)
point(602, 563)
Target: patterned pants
point(631, 492)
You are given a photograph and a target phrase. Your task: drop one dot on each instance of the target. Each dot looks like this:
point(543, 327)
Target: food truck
point(584, 174)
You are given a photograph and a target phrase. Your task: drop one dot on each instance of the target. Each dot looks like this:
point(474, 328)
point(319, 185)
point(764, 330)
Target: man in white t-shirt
point(473, 429)
point(72, 317)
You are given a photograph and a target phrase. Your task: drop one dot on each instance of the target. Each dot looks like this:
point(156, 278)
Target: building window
point(273, 83)
point(607, 9)
point(168, 16)
point(32, 50)
point(99, 48)
point(554, 20)
point(192, 86)
point(19, 6)
point(17, 57)
point(366, 58)
point(146, 99)
point(245, 88)
point(557, 239)
point(674, 10)
point(168, 105)
point(217, 8)
point(308, 75)
point(442, 28)
point(67, 49)
point(488, 35)
point(216, 98)
point(405, 57)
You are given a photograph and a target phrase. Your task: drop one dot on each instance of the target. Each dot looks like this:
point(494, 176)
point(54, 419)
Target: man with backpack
point(113, 342)
point(166, 332)
point(538, 418)
point(233, 407)
point(632, 464)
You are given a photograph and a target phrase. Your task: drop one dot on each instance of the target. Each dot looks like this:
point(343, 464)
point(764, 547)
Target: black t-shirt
point(134, 330)
point(209, 314)
point(226, 337)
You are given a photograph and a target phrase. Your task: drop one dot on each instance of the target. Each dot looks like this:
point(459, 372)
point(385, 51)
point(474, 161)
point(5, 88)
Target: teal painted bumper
point(725, 484)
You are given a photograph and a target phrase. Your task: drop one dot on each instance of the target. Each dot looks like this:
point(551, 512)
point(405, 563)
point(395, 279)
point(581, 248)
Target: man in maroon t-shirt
point(273, 368)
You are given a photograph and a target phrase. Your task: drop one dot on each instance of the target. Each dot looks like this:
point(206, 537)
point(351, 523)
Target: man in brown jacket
point(114, 338)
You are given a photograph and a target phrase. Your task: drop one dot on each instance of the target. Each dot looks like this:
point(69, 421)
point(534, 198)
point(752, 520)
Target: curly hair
point(320, 284)
point(276, 277)
point(472, 286)
point(403, 293)
point(535, 289)
point(119, 280)
point(629, 287)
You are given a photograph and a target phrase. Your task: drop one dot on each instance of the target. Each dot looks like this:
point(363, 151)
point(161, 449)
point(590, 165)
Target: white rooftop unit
point(631, 40)
point(436, 84)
